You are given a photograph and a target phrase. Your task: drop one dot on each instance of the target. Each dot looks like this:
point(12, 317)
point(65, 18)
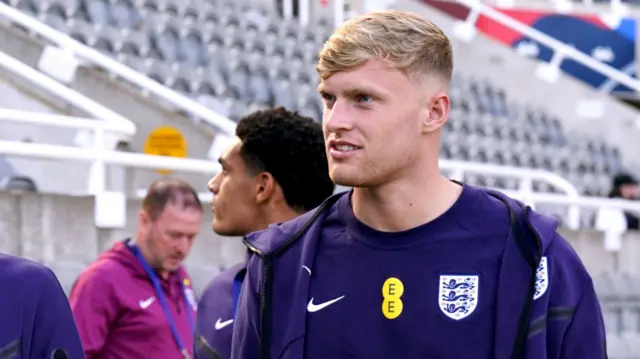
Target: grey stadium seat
point(95, 11)
point(236, 55)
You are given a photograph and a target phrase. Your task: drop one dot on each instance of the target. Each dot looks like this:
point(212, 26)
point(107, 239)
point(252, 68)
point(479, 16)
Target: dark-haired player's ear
point(264, 187)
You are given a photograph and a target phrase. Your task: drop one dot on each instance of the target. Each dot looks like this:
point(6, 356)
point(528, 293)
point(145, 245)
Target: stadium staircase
point(16, 95)
point(140, 107)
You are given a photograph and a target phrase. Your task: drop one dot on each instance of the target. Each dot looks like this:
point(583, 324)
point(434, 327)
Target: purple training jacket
point(490, 278)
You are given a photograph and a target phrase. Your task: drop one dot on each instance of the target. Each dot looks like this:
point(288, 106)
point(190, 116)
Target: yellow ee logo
point(392, 290)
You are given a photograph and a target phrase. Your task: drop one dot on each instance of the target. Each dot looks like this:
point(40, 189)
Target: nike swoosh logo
point(144, 304)
point(316, 307)
point(219, 325)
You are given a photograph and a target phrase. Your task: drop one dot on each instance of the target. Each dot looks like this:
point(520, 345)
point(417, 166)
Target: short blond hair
point(406, 41)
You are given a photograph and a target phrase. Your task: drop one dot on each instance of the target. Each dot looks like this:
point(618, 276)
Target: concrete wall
point(59, 231)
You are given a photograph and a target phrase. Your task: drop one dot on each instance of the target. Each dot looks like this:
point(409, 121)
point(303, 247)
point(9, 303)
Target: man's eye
point(365, 99)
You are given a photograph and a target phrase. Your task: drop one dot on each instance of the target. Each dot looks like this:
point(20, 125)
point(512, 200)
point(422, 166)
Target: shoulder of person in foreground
point(215, 313)
point(572, 310)
point(94, 304)
point(566, 318)
point(46, 313)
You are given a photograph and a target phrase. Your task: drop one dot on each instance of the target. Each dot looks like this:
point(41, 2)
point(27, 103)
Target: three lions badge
point(458, 295)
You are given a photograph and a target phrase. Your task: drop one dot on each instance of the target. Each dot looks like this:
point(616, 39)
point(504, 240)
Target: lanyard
point(163, 302)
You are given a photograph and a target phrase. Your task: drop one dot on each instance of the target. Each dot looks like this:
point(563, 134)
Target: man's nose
point(213, 184)
point(339, 117)
point(182, 249)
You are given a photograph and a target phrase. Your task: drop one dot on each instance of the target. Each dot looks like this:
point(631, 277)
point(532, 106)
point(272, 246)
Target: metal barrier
point(99, 157)
point(95, 58)
point(526, 176)
point(565, 6)
point(56, 89)
point(561, 50)
point(109, 206)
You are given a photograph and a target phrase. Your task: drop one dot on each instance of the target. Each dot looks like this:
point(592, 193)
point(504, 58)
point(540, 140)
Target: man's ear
point(144, 221)
point(265, 187)
point(437, 113)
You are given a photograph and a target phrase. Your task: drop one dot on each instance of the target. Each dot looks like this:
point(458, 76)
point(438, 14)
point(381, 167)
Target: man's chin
point(172, 265)
point(346, 179)
point(225, 231)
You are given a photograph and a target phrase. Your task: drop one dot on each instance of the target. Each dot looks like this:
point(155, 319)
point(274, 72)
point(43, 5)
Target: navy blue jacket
point(546, 306)
point(215, 315)
point(36, 318)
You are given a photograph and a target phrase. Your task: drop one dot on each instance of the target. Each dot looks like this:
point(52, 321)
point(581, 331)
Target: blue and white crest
point(458, 295)
point(542, 278)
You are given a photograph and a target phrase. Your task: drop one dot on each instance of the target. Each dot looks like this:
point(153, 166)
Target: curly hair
point(291, 148)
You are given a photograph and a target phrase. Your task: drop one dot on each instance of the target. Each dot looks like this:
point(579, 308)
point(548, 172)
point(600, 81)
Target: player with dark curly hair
point(275, 171)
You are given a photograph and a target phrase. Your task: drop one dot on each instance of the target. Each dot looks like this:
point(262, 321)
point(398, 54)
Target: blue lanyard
point(163, 302)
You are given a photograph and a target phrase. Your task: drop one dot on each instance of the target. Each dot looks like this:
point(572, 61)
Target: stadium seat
point(230, 54)
point(18, 183)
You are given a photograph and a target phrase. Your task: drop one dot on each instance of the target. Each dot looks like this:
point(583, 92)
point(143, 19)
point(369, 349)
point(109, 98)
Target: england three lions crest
point(542, 278)
point(458, 295)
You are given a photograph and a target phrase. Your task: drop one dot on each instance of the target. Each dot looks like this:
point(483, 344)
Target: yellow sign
point(166, 141)
point(392, 305)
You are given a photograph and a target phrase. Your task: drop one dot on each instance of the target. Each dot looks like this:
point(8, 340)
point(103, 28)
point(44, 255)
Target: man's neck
point(405, 204)
point(279, 214)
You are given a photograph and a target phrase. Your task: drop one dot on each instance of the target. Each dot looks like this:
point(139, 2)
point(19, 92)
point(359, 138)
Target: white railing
point(95, 58)
point(550, 71)
point(77, 123)
point(72, 97)
point(457, 169)
point(97, 156)
point(564, 6)
point(109, 206)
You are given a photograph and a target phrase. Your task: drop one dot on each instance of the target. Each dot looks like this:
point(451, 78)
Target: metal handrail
point(38, 79)
point(96, 58)
point(561, 49)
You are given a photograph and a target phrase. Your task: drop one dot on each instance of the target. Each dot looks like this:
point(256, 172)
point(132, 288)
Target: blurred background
point(98, 98)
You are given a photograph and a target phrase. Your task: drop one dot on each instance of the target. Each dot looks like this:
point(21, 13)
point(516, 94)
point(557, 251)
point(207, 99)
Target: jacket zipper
point(264, 339)
point(264, 350)
point(520, 343)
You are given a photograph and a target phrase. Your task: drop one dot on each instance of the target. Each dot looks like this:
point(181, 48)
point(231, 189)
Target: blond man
point(408, 264)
